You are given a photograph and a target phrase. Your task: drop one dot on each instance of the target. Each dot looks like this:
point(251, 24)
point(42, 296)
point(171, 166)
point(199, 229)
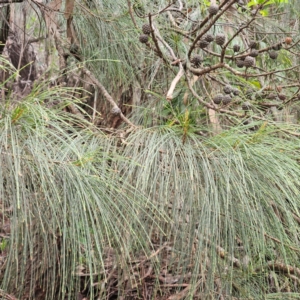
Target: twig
point(183, 293)
point(293, 277)
point(175, 285)
point(280, 242)
point(131, 14)
point(186, 94)
point(154, 253)
point(238, 31)
point(174, 83)
point(222, 253)
point(95, 106)
point(165, 44)
point(105, 93)
point(256, 75)
point(155, 39)
point(210, 25)
point(200, 100)
point(281, 267)
point(207, 69)
point(7, 296)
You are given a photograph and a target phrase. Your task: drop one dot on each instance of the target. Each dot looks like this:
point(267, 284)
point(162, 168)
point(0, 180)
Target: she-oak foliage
point(228, 205)
point(216, 213)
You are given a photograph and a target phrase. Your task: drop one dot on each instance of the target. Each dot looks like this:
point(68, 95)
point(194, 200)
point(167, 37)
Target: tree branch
point(106, 95)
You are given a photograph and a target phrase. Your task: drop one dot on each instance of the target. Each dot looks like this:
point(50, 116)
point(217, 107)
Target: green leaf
point(264, 12)
point(256, 83)
point(252, 3)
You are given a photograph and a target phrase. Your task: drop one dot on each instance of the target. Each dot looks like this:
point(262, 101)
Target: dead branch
point(177, 78)
point(280, 267)
point(107, 96)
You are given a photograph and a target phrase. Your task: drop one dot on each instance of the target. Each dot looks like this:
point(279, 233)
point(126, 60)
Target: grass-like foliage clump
point(213, 216)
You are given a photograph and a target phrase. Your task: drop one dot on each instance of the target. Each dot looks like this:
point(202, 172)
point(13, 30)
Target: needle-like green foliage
point(63, 200)
point(207, 215)
point(233, 200)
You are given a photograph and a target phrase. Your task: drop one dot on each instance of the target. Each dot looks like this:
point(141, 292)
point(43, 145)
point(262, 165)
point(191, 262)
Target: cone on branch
point(282, 96)
point(218, 98)
point(146, 28)
point(253, 44)
point(249, 61)
point(236, 48)
point(203, 44)
point(235, 91)
point(254, 53)
point(273, 54)
point(240, 63)
point(220, 39)
point(144, 38)
point(227, 89)
point(213, 9)
point(226, 99)
point(209, 38)
point(277, 47)
point(196, 60)
point(288, 40)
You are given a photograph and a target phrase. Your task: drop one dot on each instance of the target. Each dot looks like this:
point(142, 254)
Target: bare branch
point(105, 93)
point(235, 72)
point(213, 21)
point(174, 83)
